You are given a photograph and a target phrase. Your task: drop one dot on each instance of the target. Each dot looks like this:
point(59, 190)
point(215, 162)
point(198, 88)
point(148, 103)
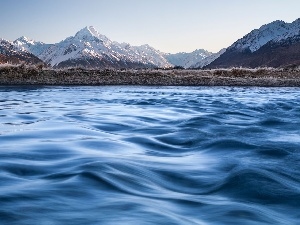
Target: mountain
point(274, 45)
point(90, 49)
point(10, 54)
point(206, 61)
point(32, 46)
point(187, 60)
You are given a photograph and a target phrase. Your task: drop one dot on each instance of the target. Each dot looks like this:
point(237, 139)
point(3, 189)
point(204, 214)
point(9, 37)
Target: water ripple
point(149, 155)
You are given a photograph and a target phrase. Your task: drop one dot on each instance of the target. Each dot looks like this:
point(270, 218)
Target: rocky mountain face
point(272, 45)
point(10, 54)
point(187, 60)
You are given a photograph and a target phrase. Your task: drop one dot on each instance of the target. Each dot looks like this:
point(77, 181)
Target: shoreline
point(264, 77)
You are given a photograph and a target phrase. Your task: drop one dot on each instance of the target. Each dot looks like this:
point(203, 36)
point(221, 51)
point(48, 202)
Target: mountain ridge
point(9, 53)
point(269, 46)
point(88, 48)
point(187, 59)
point(274, 44)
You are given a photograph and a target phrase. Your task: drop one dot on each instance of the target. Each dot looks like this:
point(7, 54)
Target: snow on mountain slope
point(88, 44)
point(187, 60)
point(9, 53)
point(34, 47)
point(275, 44)
point(6, 47)
point(89, 48)
point(206, 61)
point(147, 54)
point(275, 31)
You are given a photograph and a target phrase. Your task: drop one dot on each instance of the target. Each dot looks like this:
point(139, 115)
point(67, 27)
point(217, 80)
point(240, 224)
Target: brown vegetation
point(37, 75)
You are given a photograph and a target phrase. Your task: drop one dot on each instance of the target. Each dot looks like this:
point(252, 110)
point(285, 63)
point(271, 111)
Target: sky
point(168, 25)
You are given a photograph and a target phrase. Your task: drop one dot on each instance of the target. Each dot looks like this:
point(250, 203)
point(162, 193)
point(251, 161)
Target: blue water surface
point(149, 155)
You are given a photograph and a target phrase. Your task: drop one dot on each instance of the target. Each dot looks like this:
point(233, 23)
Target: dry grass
point(38, 75)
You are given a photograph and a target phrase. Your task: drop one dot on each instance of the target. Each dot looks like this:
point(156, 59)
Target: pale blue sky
point(168, 25)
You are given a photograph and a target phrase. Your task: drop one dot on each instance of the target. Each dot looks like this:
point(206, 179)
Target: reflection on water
point(149, 155)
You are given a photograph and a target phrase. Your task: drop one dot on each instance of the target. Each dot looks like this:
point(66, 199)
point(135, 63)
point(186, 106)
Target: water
point(149, 155)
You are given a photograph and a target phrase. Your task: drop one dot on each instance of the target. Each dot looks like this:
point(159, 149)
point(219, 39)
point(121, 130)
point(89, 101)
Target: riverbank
point(23, 75)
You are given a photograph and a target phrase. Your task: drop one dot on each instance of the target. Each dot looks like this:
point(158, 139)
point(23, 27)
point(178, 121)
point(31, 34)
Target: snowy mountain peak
point(275, 31)
point(26, 44)
point(90, 33)
point(87, 31)
point(187, 60)
point(23, 39)
point(275, 23)
point(146, 46)
point(91, 49)
point(93, 31)
point(11, 54)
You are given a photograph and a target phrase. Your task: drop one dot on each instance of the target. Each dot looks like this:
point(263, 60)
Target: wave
point(148, 155)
